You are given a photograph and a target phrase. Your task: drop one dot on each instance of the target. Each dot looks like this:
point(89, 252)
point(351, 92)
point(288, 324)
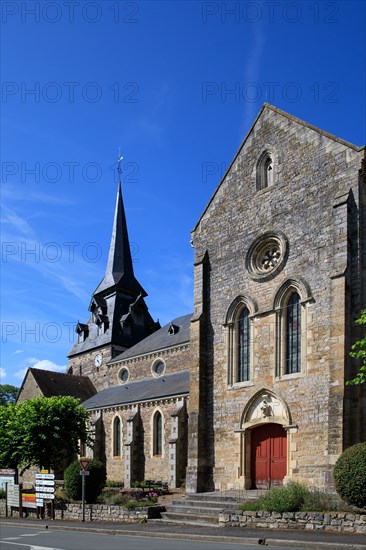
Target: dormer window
point(265, 171)
point(173, 329)
point(82, 331)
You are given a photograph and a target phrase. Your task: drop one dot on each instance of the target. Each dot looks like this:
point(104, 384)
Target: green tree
point(8, 394)
point(359, 352)
point(42, 432)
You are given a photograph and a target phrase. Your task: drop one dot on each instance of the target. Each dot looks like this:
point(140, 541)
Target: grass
point(296, 497)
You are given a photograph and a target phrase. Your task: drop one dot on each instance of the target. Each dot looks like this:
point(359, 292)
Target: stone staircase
point(204, 508)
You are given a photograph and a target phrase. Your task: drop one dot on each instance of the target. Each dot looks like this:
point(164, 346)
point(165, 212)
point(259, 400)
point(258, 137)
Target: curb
point(190, 536)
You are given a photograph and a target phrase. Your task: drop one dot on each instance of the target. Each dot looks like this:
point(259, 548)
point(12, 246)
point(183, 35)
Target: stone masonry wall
point(315, 180)
point(346, 523)
point(157, 467)
point(175, 359)
point(99, 512)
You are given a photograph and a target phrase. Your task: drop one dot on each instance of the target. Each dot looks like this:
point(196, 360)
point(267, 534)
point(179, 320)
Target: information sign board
point(13, 495)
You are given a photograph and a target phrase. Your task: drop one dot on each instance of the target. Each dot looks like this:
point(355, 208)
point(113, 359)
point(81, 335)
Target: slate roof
point(160, 339)
point(58, 383)
point(148, 389)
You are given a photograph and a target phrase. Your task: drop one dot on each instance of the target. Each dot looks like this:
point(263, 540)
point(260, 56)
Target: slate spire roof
point(119, 270)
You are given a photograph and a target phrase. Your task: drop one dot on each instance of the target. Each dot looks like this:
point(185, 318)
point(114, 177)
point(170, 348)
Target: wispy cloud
point(16, 352)
point(44, 364)
point(2, 373)
point(252, 69)
point(16, 222)
point(14, 193)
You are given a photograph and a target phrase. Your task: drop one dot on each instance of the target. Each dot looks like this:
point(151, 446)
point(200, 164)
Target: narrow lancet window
point(243, 346)
point(117, 436)
point(158, 434)
point(293, 334)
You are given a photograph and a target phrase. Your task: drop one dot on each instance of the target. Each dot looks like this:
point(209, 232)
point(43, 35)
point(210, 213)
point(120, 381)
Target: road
point(27, 538)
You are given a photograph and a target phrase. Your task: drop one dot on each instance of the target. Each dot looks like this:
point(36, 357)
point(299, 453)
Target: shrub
point(113, 499)
point(250, 506)
point(137, 504)
point(350, 475)
point(318, 501)
point(2, 493)
point(61, 497)
point(94, 482)
point(112, 483)
point(289, 498)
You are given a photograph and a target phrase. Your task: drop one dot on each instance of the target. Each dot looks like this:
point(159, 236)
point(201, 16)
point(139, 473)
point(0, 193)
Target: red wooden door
point(268, 455)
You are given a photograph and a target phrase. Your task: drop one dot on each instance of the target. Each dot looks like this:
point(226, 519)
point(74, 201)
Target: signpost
point(45, 489)
point(84, 463)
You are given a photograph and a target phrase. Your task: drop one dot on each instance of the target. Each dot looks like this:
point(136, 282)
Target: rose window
point(270, 258)
point(267, 255)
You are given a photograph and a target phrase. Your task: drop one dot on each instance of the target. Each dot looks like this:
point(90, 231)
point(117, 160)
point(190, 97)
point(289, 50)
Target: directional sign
point(39, 502)
point(49, 482)
point(45, 476)
point(42, 489)
point(45, 495)
point(84, 463)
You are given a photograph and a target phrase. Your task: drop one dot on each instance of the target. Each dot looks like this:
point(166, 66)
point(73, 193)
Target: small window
point(158, 367)
point(117, 436)
point(265, 171)
point(293, 334)
point(158, 433)
point(124, 375)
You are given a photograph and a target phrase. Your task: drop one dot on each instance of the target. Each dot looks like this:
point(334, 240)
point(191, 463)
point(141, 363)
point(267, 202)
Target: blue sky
point(176, 85)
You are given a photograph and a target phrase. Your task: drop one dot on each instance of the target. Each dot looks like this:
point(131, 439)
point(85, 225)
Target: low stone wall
point(345, 522)
point(103, 512)
point(97, 512)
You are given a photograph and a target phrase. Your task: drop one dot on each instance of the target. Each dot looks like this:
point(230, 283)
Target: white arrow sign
point(45, 476)
point(45, 495)
point(41, 489)
point(50, 482)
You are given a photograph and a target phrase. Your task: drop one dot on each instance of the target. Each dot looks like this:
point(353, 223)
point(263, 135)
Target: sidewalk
point(155, 528)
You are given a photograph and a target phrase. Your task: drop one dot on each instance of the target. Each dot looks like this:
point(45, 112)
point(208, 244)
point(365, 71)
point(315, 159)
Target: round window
point(123, 375)
point(158, 368)
point(267, 256)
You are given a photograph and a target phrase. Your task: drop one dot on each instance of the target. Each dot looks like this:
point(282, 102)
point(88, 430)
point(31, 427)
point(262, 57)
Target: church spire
point(119, 270)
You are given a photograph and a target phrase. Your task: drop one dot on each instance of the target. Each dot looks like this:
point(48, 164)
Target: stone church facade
point(249, 391)
point(279, 281)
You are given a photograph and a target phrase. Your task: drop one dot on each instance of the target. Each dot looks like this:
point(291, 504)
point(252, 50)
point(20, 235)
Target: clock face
point(98, 360)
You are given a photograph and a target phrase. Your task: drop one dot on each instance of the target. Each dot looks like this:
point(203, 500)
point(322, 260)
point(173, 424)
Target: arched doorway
point(268, 455)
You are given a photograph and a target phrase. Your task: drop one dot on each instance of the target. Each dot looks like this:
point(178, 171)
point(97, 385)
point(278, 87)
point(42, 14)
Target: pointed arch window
point(265, 171)
point(243, 343)
point(117, 436)
point(293, 334)
point(158, 434)
point(239, 339)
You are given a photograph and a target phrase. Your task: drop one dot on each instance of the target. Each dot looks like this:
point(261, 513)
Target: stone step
point(207, 504)
point(190, 518)
point(226, 497)
point(195, 510)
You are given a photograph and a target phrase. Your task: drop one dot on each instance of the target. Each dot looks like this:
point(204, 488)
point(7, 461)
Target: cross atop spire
point(119, 169)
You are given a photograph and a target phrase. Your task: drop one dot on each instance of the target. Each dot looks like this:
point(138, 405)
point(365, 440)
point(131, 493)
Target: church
point(249, 390)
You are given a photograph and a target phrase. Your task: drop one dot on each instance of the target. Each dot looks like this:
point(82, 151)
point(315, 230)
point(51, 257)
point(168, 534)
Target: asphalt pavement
point(156, 528)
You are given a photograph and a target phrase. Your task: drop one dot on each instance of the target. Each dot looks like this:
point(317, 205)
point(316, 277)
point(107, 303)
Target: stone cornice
point(143, 404)
point(149, 356)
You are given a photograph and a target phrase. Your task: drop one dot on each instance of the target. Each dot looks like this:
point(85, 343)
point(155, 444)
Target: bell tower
point(119, 317)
